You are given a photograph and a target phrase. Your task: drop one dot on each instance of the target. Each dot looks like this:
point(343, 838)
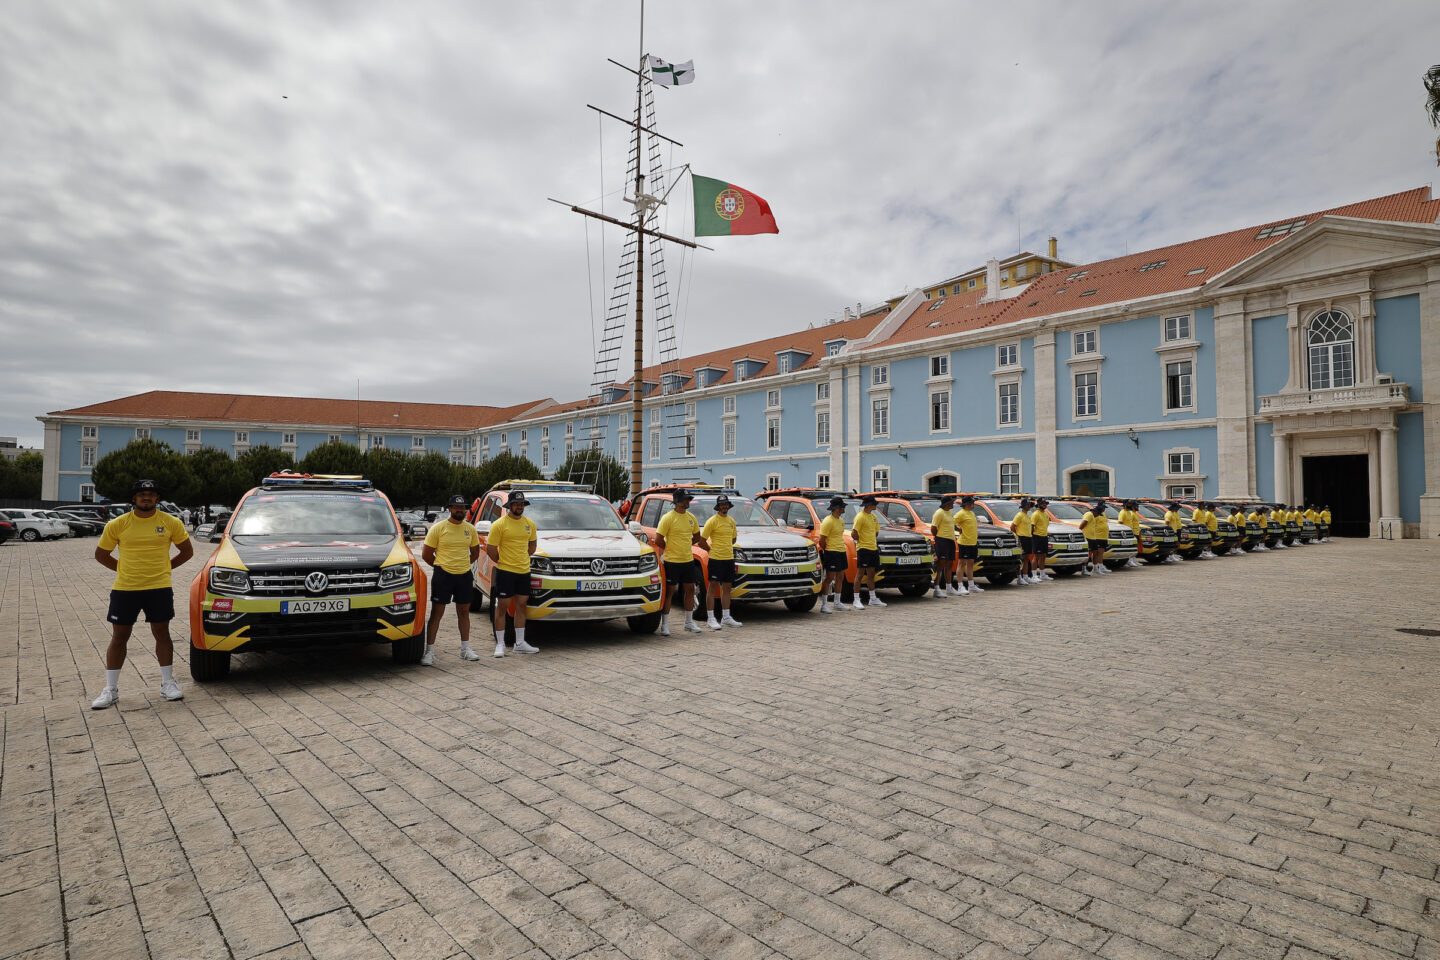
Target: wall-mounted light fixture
point(900, 449)
point(1134, 437)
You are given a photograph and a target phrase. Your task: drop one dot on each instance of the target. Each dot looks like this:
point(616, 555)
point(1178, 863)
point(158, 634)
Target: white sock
point(112, 679)
point(500, 635)
point(519, 635)
point(464, 645)
point(431, 646)
point(165, 673)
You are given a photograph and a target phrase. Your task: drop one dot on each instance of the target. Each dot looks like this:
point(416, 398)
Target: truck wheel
point(1000, 579)
point(801, 604)
point(917, 589)
point(644, 623)
point(1069, 571)
point(409, 650)
point(208, 665)
point(1114, 564)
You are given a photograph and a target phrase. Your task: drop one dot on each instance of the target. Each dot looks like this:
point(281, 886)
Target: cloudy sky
point(288, 197)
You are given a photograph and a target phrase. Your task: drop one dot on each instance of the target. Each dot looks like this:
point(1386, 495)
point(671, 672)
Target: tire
point(917, 589)
point(801, 604)
point(1114, 564)
point(1155, 559)
point(207, 666)
point(409, 650)
point(30, 535)
point(1000, 579)
point(1069, 571)
point(644, 623)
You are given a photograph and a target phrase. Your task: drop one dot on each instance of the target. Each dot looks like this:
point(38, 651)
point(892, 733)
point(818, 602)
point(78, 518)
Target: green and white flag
point(671, 74)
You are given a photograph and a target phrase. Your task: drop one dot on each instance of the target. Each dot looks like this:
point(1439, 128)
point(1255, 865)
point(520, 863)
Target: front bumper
point(754, 582)
point(997, 561)
point(244, 623)
point(916, 568)
point(1069, 553)
point(573, 598)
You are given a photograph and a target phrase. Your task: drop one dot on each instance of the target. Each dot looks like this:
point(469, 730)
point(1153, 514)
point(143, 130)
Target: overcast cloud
point(284, 198)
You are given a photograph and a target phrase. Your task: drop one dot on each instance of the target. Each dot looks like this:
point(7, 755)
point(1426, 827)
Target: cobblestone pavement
point(1227, 759)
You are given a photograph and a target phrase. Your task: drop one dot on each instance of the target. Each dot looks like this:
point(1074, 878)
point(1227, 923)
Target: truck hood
point(763, 538)
point(892, 535)
point(316, 553)
point(588, 543)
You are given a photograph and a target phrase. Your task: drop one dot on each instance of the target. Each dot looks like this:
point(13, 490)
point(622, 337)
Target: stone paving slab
point(1226, 759)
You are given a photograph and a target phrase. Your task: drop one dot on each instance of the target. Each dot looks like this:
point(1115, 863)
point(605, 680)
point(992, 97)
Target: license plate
point(315, 606)
point(1076, 546)
point(1000, 553)
point(907, 560)
point(782, 571)
point(587, 586)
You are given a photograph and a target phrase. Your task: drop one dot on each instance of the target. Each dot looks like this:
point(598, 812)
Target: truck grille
point(581, 566)
point(919, 548)
point(291, 582)
point(1003, 541)
point(786, 555)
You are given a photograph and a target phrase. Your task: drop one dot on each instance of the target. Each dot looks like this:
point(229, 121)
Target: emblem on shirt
point(597, 566)
point(160, 529)
point(317, 582)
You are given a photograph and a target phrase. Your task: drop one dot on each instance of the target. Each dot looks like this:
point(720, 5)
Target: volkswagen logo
point(316, 582)
point(780, 556)
point(597, 566)
point(904, 548)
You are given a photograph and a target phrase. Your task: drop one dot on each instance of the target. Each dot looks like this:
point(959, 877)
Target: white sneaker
point(1085, 571)
point(975, 587)
point(468, 653)
point(1047, 574)
point(170, 690)
point(1132, 562)
point(960, 591)
point(664, 626)
point(427, 659)
point(1022, 581)
point(730, 621)
point(108, 698)
point(712, 623)
point(692, 627)
point(952, 591)
point(841, 605)
point(522, 647)
point(938, 593)
point(858, 604)
point(875, 601)
point(499, 649)
point(825, 607)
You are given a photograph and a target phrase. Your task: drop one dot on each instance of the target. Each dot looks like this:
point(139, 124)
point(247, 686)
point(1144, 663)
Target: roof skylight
point(1280, 229)
point(1156, 265)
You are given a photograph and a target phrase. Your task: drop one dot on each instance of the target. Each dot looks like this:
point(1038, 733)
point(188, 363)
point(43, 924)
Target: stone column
point(1282, 466)
point(838, 428)
point(853, 420)
point(1390, 480)
point(1046, 472)
point(1430, 405)
point(1232, 399)
point(1294, 336)
point(50, 471)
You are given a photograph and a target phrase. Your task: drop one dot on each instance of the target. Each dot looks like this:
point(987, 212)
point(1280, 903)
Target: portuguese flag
point(723, 209)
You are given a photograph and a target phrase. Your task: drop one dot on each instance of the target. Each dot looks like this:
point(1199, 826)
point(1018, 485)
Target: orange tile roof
point(239, 408)
point(1120, 279)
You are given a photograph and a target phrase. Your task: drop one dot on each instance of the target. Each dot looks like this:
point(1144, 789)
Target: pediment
point(1333, 245)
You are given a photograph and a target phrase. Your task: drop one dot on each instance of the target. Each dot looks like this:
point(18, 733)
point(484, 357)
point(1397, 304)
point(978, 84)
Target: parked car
point(415, 524)
point(1067, 553)
point(1157, 540)
point(306, 561)
point(33, 525)
point(1123, 544)
point(79, 526)
point(7, 530)
point(999, 552)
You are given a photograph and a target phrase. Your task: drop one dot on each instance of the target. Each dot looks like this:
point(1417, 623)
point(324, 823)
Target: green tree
point(217, 478)
point(467, 481)
point(508, 466)
point(143, 460)
point(21, 478)
point(428, 479)
point(335, 456)
point(1432, 102)
point(257, 463)
point(7, 478)
point(386, 469)
point(596, 467)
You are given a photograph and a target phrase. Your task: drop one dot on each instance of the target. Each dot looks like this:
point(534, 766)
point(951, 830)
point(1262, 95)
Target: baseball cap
point(458, 501)
point(144, 486)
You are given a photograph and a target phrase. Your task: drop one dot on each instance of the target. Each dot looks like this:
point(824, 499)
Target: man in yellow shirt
point(1096, 527)
point(942, 525)
point(451, 546)
point(1020, 526)
point(864, 529)
point(1130, 516)
point(967, 544)
point(1040, 541)
point(720, 533)
point(1325, 523)
point(142, 583)
point(1257, 516)
point(509, 544)
point(833, 559)
point(1278, 517)
point(675, 534)
point(1174, 521)
point(1206, 515)
point(1237, 518)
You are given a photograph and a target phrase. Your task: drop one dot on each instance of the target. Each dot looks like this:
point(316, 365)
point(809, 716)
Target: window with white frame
point(1008, 395)
point(142, 433)
point(243, 436)
point(740, 367)
point(728, 404)
point(1330, 338)
point(1179, 376)
point(504, 443)
point(1179, 464)
point(332, 438)
point(420, 441)
point(544, 456)
point(1087, 394)
point(654, 414)
point(822, 390)
point(880, 478)
point(822, 480)
point(458, 443)
point(287, 439)
point(192, 436)
point(940, 365)
point(690, 440)
point(569, 447)
point(939, 410)
point(654, 444)
point(880, 417)
point(727, 481)
point(772, 433)
point(880, 375)
point(729, 435)
point(782, 363)
point(570, 429)
point(457, 456)
point(772, 481)
point(1007, 355)
point(1177, 328)
point(970, 284)
point(1085, 342)
point(772, 399)
point(89, 433)
point(822, 428)
point(690, 410)
point(87, 456)
point(833, 349)
point(87, 493)
point(1009, 477)
point(1181, 491)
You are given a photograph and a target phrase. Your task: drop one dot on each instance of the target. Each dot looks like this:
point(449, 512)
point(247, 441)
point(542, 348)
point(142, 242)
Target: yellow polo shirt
point(832, 533)
point(1325, 516)
point(144, 561)
point(864, 529)
point(1095, 525)
point(1039, 523)
point(512, 538)
point(720, 531)
point(679, 531)
point(1022, 524)
point(1131, 519)
point(967, 528)
point(942, 521)
point(451, 543)
point(1174, 519)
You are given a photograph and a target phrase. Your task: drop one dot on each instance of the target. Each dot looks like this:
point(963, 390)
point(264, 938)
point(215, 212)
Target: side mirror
point(634, 527)
point(218, 536)
point(804, 523)
point(482, 527)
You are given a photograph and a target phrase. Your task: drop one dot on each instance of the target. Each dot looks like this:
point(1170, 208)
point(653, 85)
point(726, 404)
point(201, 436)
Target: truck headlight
point(396, 575)
point(812, 552)
point(649, 563)
point(541, 565)
point(739, 555)
point(226, 580)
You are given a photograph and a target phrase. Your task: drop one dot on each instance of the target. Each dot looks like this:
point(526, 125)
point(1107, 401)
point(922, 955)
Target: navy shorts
point(678, 573)
point(969, 551)
point(1040, 544)
point(720, 571)
point(447, 587)
point(1098, 544)
point(126, 605)
point(867, 559)
point(944, 549)
point(509, 584)
point(1024, 544)
point(834, 560)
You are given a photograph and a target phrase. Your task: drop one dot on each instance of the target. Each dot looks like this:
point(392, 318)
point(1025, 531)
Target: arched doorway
point(1089, 482)
point(942, 483)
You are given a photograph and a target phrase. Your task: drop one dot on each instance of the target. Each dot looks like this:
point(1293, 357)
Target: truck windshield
point(308, 515)
point(745, 513)
point(572, 513)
